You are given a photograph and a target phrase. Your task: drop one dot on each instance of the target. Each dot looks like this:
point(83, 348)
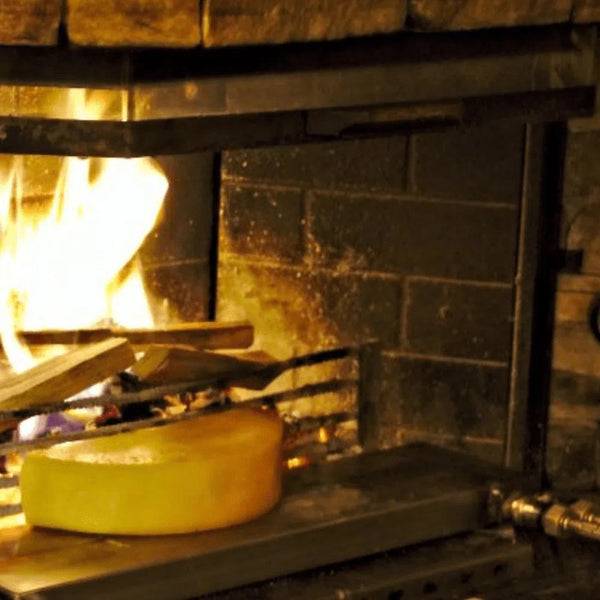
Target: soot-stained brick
point(572, 456)
point(366, 164)
point(444, 398)
point(184, 287)
point(183, 230)
point(479, 164)
point(414, 238)
point(314, 309)
point(459, 320)
point(262, 221)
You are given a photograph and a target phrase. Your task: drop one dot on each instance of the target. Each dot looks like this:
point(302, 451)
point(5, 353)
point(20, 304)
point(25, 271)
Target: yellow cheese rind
point(194, 475)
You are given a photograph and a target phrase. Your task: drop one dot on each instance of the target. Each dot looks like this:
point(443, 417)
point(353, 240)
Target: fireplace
point(384, 211)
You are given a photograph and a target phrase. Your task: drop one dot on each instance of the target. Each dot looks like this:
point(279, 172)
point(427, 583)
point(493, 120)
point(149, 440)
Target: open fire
point(72, 263)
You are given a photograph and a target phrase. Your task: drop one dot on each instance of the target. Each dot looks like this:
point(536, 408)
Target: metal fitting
point(555, 519)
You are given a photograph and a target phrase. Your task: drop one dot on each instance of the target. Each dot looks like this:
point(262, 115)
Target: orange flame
point(65, 269)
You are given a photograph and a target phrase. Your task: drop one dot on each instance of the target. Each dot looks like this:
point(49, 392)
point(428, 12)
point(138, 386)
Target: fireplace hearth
point(377, 198)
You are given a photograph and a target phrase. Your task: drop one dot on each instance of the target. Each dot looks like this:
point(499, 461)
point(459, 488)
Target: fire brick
point(366, 164)
point(479, 164)
point(183, 286)
point(445, 397)
point(302, 309)
point(459, 320)
point(439, 239)
point(184, 228)
point(262, 221)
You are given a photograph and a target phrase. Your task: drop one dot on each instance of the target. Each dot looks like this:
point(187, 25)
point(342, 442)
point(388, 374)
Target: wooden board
point(231, 22)
point(329, 513)
point(164, 365)
point(173, 23)
point(209, 335)
point(66, 375)
point(29, 22)
point(479, 14)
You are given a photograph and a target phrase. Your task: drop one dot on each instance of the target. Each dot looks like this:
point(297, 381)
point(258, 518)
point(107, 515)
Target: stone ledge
point(171, 23)
point(442, 15)
point(180, 23)
point(29, 22)
point(230, 23)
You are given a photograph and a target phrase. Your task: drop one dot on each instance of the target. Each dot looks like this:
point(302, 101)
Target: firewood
point(197, 335)
point(66, 375)
point(163, 365)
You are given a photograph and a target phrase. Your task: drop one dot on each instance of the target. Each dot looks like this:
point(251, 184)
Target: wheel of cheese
point(203, 473)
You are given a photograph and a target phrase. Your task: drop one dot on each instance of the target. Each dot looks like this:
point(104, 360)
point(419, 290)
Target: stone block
point(378, 164)
point(459, 320)
point(412, 237)
point(296, 310)
point(232, 23)
point(483, 14)
point(475, 164)
point(265, 222)
point(586, 11)
point(184, 228)
point(171, 23)
point(29, 22)
point(440, 397)
point(179, 291)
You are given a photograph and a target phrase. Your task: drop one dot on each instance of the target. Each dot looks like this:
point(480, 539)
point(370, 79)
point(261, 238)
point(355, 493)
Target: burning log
point(161, 365)
point(207, 335)
point(66, 375)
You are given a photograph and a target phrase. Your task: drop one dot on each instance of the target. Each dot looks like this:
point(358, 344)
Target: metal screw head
point(553, 520)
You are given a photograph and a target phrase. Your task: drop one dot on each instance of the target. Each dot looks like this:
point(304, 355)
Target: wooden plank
point(164, 365)
point(478, 14)
point(171, 23)
point(231, 22)
point(586, 11)
point(29, 22)
point(210, 335)
point(66, 375)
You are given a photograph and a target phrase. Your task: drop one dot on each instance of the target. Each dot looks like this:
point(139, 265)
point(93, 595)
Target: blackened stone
point(185, 287)
point(414, 238)
point(445, 397)
point(459, 320)
point(366, 164)
point(262, 221)
point(183, 231)
point(478, 164)
point(298, 309)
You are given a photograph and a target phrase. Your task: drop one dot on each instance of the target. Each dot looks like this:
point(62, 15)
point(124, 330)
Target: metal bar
point(553, 140)
point(527, 264)
point(158, 393)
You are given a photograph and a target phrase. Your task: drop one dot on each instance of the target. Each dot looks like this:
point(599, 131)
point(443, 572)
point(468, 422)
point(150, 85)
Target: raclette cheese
point(198, 474)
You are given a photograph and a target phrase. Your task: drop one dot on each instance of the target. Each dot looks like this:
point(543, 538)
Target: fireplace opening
point(359, 235)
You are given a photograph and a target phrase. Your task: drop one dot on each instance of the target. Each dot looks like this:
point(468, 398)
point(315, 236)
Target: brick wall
point(407, 239)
